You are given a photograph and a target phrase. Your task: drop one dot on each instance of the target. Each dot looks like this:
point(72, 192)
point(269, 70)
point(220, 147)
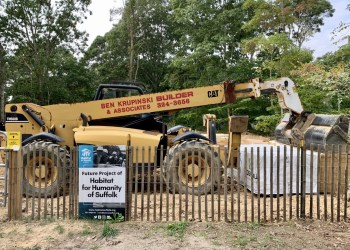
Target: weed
point(118, 217)
point(13, 232)
point(86, 231)
point(26, 219)
point(247, 226)
point(59, 228)
point(108, 231)
point(29, 230)
point(269, 238)
point(210, 226)
point(36, 247)
point(94, 248)
point(47, 221)
point(244, 240)
point(177, 229)
point(70, 235)
point(217, 243)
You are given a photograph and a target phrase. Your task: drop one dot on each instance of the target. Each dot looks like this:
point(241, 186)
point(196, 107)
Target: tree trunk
point(132, 40)
point(2, 83)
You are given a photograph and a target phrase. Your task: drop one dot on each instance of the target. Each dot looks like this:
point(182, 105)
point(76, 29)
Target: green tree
point(276, 53)
point(206, 39)
point(299, 19)
point(3, 80)
point(342, 31)
point(322, 89)
point(138, 46)
point(32, 32)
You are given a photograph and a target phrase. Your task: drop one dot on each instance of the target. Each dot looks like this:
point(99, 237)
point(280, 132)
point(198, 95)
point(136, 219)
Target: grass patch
point(247, 225)
point(46, 221)
point(270, 240)
point(86, 231)
point(60, 229)
point(177, 229)
point(108, 231)
point(217, 243)
point(210, 226)
point(243, 241)
point(36, 247)
point(70, 235)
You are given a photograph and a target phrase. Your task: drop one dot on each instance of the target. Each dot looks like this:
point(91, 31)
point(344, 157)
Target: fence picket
point(148, 184)
point(142, 181)
point(225, 186)
point(252, 184)
point(284, 183)
point(238, 189)
point(346, 177)
point(258, 176)
point(271, 184)
point(155, 186)
point(298, 182)
point(186, 188)
point(232, 184)
point(291, 183)
point(219, 187)
point(318, 181)
point(180, 182)
point(136, 182)
point(332, 185)
point(206, 187)
point(167, 189)
point(278, 183)
point(315, 184)
point(58, 162)
point(311, 179)
point(265, 177)
point(212, 183)
point(245, 183)
point(325, 189)
point(200, 183)
point(161, 183)
point(339, 181)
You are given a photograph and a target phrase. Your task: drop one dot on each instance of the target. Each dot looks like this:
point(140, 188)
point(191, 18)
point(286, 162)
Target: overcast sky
point(99, 23)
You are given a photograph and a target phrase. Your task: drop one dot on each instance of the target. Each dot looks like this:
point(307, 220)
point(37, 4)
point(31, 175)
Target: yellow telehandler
point(121, 114)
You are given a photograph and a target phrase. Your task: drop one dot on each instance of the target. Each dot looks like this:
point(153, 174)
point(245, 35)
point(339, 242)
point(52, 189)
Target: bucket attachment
point(314, 129)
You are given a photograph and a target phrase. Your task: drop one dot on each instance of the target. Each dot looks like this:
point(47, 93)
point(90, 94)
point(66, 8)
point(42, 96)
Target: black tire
point(204, 168)
point(42, 181)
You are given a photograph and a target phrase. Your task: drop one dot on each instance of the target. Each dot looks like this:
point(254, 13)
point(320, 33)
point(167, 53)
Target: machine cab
point(118, 89)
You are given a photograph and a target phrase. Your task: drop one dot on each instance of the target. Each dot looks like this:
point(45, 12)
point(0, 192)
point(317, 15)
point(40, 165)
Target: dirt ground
point(86, 234)
point(82, 234)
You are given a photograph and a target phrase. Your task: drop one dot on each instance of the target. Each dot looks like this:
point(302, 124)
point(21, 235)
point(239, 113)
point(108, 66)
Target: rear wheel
point(44, 173)
point(192, 165)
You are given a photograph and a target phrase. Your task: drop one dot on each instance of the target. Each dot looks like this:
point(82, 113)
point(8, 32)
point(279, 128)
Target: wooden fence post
point(15, 187)
point(303, 180)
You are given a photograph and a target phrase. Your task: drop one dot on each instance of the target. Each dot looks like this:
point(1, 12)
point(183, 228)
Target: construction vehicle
point(121, 114)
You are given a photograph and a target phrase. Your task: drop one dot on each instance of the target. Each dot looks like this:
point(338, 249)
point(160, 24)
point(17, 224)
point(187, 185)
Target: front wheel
point(44, 169)
point(192, 166)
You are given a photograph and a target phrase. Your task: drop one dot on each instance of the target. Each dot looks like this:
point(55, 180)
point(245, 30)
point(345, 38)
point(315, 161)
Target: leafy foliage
point(173, 44)
point(108, 230)
point(178, 229)
point(299, 19)
point(324, 91)
point(35, 33)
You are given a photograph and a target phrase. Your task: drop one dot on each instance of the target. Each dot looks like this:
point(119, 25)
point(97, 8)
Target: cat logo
point(213, 93)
